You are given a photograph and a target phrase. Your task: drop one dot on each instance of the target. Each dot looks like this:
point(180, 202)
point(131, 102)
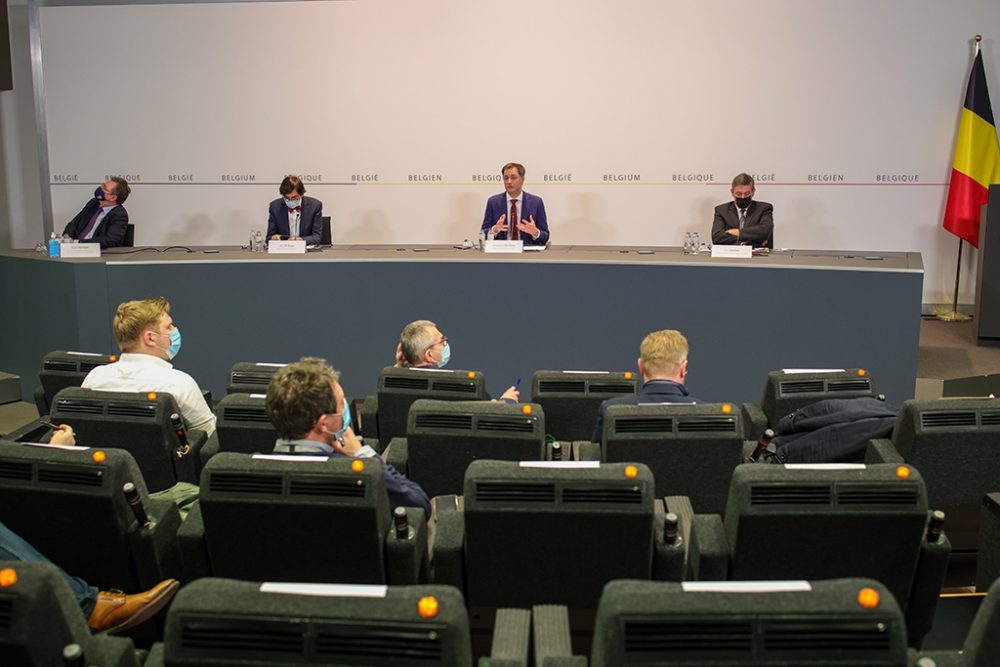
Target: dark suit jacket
point(530, 205)
point(310, 220)
point(758, 229)
point(110, 232)
point(654, 391)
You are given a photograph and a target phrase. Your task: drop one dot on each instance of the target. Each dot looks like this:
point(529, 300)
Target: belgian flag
point(977, 159)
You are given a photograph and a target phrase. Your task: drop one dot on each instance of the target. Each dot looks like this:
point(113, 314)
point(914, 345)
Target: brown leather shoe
point(116, 612)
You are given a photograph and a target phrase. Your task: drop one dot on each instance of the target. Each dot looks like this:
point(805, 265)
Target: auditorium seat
point(988, 561)
point(247, 377)
point(242, 425)
point(444, 437)
point(226, 623)
point(39, 617)
point(533, 533)
point(785, 393)
point(571, 398)
point(385, 415)
point(68, 502)
point(953, 443)
point(842, 622)
point(691, 449)
point(826, 522)
point(300, 519)
point(982, 643)
point(61, 369)
point(135, 421)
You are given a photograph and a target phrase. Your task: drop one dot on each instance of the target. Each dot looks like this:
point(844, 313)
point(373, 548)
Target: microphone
point(73, 655)
point(671, 528)
point(762, 445)
point(182, 440)
point(401, 523)
point(935, 526)
point(135, 502)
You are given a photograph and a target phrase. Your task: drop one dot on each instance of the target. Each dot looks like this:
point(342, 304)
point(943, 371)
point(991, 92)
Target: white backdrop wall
point(631, 116)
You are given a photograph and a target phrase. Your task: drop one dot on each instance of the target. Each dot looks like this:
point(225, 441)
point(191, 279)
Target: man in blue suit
point(663, 361)
point(104, 219)
point(295, 216)
point(516, 214)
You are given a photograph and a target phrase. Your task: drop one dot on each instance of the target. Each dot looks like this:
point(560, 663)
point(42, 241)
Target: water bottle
point(695, 243)
point(482, 239)
point(54, 245)
point(490, 235)
point(687, 243)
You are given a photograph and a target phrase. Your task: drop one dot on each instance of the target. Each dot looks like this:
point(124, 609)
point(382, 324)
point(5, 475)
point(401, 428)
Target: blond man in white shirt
point(149, 339)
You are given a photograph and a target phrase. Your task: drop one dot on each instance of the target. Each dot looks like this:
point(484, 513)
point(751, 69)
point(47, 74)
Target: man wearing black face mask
point(103, 220)
point(744, 221)
point(307, 407)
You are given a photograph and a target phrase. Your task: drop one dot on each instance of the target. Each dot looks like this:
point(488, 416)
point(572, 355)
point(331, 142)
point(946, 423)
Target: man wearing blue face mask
point(295, 216)
point(422, 345)
point(149, 340)
point(307, 407)
point(104, 218)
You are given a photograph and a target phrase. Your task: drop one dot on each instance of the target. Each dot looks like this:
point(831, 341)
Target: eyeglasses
point(443, 341)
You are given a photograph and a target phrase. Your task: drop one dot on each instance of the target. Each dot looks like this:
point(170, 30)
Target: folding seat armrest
point(881, 450)
point(397, 454)
point(927, 583)
point(194, 550)
point(708, 553)
point(210, 449)
point(406, 556)
point(584, 450)
point(550, 624)
point(754, 422)
point(33, 431)
point(369, 418)
point(156, 657)
point(187, 468)
point(670, 557)
point(41, 404)
point(448, 541)
point(511, 635)
point(155, 550)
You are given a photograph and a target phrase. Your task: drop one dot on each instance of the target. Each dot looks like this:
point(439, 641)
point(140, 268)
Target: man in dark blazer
point(663, 366)
point(103, 219)
point(528, 222)
point(295, 216)
point(744, 221)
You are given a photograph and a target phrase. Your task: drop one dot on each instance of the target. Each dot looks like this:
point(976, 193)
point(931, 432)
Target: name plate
point(741, 251)
point(79, 249)
point(503, 246)
point(286, 247)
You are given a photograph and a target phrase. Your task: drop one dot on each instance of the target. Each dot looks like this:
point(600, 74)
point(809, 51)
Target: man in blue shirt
point(307, 407)
point(663, 361)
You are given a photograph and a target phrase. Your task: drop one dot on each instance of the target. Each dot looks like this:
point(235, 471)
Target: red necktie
point(514, 236)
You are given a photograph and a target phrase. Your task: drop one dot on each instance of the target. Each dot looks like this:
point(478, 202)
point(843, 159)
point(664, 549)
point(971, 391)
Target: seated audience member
point(307, 407)
point(293, 215)
point(516, 214)
point(422, 345)
point(103, 219)
point(663, 361)
point(743, 221)
point(148, 340)
point(106, 611)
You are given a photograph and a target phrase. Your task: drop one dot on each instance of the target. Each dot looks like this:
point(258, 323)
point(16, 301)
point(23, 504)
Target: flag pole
point(953, 315)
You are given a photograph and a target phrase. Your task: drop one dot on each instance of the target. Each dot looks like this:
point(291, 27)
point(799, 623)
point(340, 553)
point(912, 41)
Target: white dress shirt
point(144, 372)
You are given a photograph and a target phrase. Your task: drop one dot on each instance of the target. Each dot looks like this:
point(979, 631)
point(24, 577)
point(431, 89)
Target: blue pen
point(517, 383)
